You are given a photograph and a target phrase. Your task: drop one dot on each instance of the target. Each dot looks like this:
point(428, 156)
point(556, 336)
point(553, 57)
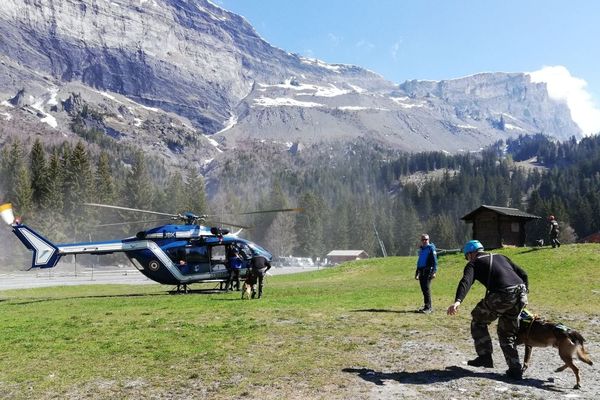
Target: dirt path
point(428, 370)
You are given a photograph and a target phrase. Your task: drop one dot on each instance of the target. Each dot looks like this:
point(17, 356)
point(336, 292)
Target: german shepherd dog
point(535, 332)
point(248, 287)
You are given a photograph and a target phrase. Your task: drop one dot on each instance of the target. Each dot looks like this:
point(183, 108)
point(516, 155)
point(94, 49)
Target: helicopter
point(172, 254)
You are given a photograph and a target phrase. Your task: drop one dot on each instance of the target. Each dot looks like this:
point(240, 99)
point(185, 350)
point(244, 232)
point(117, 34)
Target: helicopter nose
point(7, 213)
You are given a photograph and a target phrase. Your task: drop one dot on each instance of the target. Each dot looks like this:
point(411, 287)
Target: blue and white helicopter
point(169, 254)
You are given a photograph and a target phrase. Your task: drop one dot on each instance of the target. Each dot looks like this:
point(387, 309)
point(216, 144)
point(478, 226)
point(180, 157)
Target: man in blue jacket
point(426, 270)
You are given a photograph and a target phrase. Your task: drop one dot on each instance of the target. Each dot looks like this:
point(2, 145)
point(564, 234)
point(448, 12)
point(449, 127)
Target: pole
point(380, 241)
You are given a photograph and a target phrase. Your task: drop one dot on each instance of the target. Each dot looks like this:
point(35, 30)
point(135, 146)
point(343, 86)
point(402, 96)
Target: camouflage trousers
point(505, 306)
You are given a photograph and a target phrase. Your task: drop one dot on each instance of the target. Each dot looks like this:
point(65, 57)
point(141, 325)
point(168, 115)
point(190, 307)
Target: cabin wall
point(486, 229)
point(511, 232)
point(494, 230)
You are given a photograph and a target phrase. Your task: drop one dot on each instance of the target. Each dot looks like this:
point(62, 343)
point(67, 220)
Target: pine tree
point(309, 226)
point(52, 217)
point(55, 197)
point(12, 164)
point(105, 186)
point(281, 236)
point(39, 174)
point(23, 191)
point(78, 187)
point(195, 192)
point(138, 187)
point(176, 194)
point(408, 228)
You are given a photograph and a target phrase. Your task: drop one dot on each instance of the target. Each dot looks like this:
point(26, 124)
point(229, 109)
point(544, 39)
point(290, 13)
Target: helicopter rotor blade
point(134, 222)
point(272, 211)
point(211, 222)
point(131, 209)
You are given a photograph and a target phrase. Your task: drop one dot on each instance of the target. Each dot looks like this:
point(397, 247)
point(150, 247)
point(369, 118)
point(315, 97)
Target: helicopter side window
point(198, 259)
point(218, 258)
point(176, 254)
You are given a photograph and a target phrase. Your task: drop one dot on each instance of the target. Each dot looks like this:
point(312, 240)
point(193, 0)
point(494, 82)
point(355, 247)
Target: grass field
point(141, 342)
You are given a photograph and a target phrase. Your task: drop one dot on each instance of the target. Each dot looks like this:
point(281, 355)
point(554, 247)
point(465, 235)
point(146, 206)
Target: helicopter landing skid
point(182, 288)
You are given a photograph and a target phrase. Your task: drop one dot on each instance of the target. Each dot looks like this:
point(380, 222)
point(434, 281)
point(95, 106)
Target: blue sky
point(427, 39)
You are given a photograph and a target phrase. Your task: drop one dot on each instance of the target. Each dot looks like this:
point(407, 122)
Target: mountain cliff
point(187, 79)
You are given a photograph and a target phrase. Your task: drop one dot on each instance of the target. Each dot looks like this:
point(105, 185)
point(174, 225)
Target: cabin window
point(514, 227)
point(177, 254)
point(197, 254)
point(218, 258)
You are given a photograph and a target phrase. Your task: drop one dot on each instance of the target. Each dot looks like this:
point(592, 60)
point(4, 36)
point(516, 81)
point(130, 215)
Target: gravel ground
point(430, 370)
point(454, 379)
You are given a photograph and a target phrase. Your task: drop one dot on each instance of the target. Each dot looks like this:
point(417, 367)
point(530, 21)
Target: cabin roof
point(509, 212)
point(347, 253)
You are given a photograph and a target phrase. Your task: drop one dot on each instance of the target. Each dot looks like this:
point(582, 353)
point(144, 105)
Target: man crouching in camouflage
point(506, 295)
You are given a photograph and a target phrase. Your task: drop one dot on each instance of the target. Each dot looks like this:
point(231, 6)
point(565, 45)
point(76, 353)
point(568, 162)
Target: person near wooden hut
point(554, 231)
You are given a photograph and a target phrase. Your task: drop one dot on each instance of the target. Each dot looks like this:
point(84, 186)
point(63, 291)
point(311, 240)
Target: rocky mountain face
point(186, 80)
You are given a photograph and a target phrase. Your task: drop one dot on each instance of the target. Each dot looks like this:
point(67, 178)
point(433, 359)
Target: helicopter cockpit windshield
point(256, 249)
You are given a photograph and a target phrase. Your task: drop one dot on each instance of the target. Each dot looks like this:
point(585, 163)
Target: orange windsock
point(6, 212)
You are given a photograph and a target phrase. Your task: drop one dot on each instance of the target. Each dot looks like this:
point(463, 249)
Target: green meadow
point(120, 341)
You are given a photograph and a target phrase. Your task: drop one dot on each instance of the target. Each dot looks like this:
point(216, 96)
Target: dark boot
point(484, 361)
point(514, 373)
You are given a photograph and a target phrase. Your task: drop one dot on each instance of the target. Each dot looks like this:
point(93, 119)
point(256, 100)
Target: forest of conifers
point(348, 192)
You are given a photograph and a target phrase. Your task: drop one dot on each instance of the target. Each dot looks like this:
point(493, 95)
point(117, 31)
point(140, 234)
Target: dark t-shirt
point(260, 264)
point(504, 274)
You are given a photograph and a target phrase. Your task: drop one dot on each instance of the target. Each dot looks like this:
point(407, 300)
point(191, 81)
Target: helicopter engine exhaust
point(7, 214)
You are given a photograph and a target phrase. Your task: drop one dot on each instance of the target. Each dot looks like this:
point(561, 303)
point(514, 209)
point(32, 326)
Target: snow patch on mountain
point(213, 142)
point(53, 95)
point(357, 89)
point(230, 123)
point(284, 101)
point(38, 105)
point(360, 108)
point(407, 102)
point(307, 89)
point(313, 61)
point(514, 127)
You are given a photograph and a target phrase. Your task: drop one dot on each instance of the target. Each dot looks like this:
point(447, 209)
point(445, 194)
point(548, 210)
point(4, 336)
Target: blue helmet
point(471, 246)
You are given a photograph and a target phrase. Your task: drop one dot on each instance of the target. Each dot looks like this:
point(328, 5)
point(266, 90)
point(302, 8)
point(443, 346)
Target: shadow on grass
point(16, 302)
point(197, 291)
point(442, 375)
point(383, 310)
point(93, 296)
point(529, 250)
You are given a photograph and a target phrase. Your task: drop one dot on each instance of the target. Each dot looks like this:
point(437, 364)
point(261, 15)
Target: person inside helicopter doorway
point(234, 265)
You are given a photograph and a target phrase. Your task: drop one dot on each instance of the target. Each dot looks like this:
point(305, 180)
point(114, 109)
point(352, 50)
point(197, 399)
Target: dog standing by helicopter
point(169, 254)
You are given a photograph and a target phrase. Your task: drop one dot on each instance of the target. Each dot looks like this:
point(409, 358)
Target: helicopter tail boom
point(45, 253)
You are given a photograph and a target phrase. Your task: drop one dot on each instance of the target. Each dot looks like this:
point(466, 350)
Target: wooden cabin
point(340, 256)
point(496, 227)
